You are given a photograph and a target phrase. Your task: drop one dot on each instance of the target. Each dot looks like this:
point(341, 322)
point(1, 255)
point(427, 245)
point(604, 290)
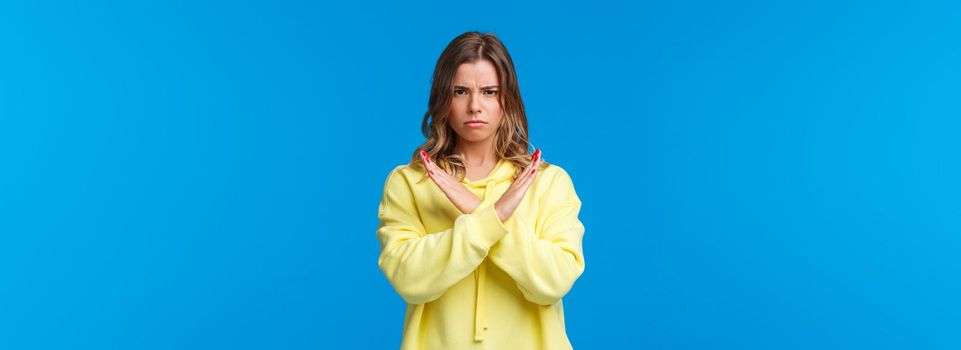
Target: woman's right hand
point(458, 194)
point(509, 201)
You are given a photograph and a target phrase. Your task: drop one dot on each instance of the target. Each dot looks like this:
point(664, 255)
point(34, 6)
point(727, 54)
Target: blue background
point(187, 175)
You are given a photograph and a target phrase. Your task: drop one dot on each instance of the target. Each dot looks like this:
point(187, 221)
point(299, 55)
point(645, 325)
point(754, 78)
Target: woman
point(484, 251)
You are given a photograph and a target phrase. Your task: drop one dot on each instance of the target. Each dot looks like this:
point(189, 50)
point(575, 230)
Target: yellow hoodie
point(472, 281)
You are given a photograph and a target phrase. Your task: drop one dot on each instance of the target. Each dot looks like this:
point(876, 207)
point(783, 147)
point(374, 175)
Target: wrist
point(500, 213)
point(472, 206)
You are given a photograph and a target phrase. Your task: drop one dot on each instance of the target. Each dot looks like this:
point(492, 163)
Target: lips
point(475, 122)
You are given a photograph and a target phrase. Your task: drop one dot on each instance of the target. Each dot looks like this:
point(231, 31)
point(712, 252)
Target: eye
point(459, 91)
point(490, 92)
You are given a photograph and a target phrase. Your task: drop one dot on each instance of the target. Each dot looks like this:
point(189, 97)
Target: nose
point(473, 105)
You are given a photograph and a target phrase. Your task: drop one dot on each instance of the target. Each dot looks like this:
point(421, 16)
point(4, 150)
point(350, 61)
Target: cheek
point(492, 106)
point(456, 108)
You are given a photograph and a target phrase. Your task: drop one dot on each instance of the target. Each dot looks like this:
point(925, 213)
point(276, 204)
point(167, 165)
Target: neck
point(476, 153)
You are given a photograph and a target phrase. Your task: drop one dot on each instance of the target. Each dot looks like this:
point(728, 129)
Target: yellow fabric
point(471, 281)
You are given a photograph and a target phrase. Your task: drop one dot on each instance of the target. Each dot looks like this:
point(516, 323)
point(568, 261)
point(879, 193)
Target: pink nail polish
point(533, 170)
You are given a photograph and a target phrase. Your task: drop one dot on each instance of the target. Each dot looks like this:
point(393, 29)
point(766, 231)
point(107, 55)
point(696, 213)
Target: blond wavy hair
point(511, 138)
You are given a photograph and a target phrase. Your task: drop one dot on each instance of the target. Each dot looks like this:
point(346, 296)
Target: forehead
point(481, 72)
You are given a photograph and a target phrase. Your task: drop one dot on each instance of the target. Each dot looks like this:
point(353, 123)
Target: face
point(475, 98)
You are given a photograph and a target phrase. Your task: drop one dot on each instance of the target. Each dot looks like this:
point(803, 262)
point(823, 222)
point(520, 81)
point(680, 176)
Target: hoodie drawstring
point(480, 307)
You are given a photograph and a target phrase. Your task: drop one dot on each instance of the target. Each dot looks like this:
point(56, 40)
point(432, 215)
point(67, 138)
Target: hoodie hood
point(503, 171)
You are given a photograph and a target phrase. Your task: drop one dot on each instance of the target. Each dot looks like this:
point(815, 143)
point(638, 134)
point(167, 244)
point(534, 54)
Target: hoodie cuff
point(490, 228)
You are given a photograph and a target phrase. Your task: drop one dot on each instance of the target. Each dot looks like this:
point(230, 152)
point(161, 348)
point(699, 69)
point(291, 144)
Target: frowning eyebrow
point(482, 87)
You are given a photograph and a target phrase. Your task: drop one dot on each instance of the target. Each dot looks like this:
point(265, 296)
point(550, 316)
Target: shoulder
point(402, 175)
point(408, 170)
point(554, 173)
point(556, 184)
point(397, 191)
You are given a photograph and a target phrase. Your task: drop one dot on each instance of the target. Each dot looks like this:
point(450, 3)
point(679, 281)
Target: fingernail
point(430, 172)
point(533, 170)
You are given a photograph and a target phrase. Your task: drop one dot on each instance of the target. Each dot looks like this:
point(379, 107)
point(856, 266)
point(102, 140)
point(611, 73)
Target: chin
point(473, 136)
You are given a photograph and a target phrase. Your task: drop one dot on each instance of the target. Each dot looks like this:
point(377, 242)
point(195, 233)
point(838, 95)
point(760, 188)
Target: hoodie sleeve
point(422, 265)
point(545, 263)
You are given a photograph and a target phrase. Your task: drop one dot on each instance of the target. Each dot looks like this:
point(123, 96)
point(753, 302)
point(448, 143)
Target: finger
point(446, 179)
point(523, 174)
point(532, 173)
point(530, 176)
point(439, 175)
point(535, 161)
point(535, 158)
point(425, 160)
point(538, 156)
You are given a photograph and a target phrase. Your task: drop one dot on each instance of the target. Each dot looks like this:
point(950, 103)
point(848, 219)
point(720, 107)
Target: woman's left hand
point(456, 192)
point(509, 201)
